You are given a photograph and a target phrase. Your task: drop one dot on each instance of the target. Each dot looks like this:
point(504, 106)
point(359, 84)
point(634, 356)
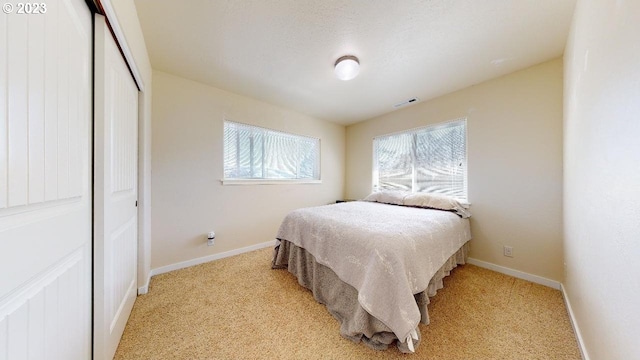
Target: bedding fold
point(341, 299)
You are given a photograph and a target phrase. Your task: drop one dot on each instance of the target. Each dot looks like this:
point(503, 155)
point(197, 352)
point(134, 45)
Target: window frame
point(375, 169)
point(272, 181)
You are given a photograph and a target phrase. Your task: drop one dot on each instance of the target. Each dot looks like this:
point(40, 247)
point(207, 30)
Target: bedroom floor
point(239, 308)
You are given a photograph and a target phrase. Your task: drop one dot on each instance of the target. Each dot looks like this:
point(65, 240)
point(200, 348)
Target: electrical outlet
point(211, 237)
point(508, 251)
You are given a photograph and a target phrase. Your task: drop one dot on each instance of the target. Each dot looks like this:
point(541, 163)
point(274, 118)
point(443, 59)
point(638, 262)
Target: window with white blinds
point(428, 159)
point(252, 152)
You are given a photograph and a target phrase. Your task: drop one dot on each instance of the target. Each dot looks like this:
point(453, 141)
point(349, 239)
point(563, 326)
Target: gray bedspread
point(387, 253)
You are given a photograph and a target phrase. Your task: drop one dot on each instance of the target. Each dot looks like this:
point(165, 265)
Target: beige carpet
point(239, 308)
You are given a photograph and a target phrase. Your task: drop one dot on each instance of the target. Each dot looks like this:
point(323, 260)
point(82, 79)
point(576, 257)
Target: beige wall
point(188, 197)
point(514, 130)
point(128, 19)
point(602, 176)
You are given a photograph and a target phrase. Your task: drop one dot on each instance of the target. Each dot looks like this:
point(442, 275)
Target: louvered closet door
point(45, 183)
point(115, 193)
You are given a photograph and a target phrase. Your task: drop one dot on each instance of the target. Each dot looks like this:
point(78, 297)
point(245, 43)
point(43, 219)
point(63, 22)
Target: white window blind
point(429, 159)
point(252, 152)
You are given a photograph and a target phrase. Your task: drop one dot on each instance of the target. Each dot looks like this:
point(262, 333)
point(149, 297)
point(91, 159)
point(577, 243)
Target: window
point(428, 159)
point(252, 152)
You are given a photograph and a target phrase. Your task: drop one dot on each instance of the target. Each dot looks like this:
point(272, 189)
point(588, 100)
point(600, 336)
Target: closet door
point(45, 182)
point(115, 193)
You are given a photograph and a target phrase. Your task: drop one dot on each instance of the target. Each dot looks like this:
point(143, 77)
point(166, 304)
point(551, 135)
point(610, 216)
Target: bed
point(375, 263)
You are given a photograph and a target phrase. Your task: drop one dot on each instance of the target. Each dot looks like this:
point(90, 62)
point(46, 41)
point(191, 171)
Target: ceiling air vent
point(410, 101)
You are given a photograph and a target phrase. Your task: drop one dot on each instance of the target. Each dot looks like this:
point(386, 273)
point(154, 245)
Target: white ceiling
point(283, 51)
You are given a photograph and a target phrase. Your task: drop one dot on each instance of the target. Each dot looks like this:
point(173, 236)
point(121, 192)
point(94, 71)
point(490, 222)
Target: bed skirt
point(341, 299)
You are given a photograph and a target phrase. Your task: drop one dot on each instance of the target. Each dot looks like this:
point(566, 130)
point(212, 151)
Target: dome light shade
point(347, 67)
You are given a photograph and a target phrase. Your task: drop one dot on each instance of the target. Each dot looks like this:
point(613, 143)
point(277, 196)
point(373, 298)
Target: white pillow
point(387, 197)
point(436, 201)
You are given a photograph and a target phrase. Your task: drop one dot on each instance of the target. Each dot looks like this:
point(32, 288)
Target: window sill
point(268, 181)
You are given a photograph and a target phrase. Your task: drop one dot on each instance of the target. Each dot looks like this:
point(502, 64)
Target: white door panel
point(115, 193)
point(45, 208)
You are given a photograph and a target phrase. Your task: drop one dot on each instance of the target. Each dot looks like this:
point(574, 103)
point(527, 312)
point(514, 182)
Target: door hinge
point(136, 203)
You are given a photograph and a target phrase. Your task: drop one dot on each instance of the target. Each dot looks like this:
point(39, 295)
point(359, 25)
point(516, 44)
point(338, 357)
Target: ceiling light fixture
point(347, 67)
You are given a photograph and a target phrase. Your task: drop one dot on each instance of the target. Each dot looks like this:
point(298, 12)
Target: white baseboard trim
point(185, 264)
point(515, 273)
point(574, 324)
point(145, 288)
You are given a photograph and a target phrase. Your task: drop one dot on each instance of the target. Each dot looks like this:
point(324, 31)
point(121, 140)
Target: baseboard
point(204, 259)
point(574, 324)
point(145, 288)
point(515, 273)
